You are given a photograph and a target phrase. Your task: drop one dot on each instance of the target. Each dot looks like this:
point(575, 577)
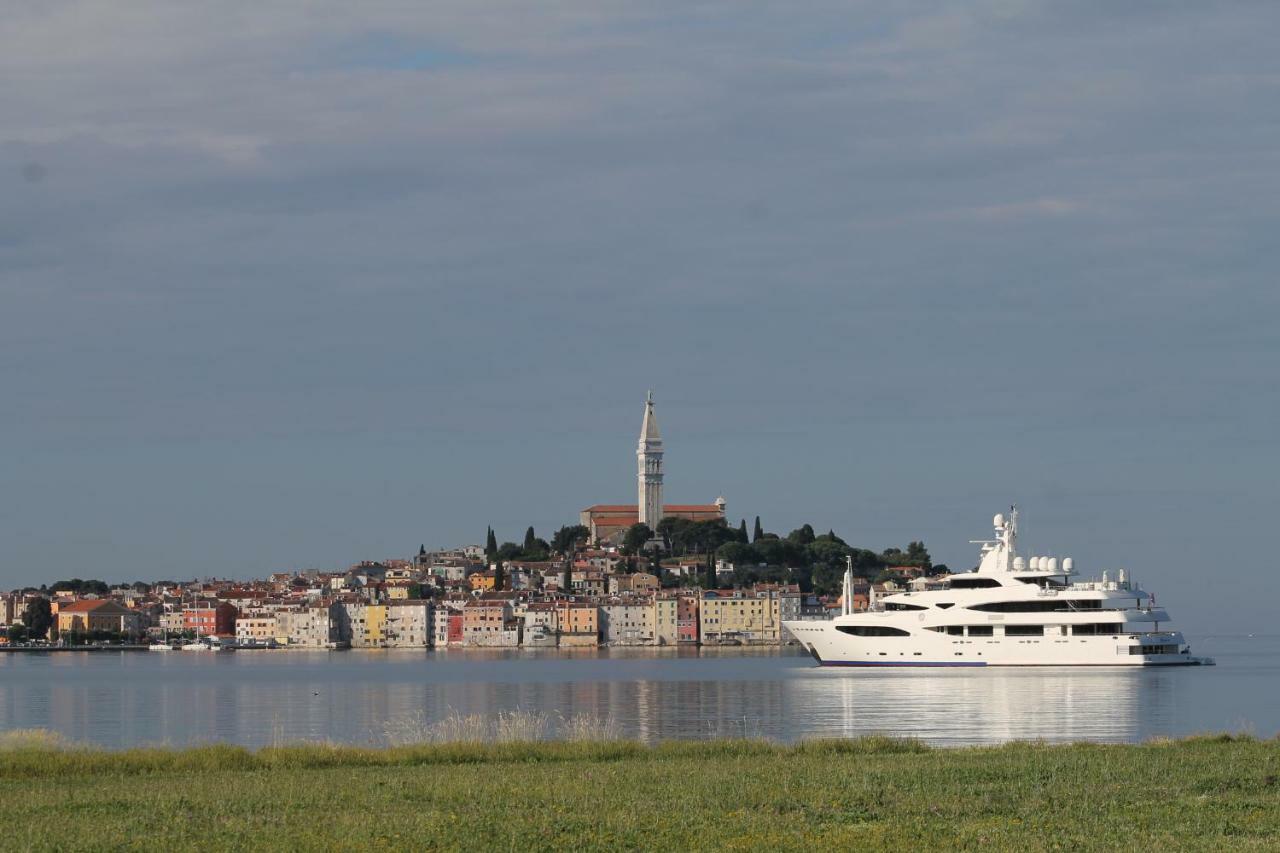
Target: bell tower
point(649, 459)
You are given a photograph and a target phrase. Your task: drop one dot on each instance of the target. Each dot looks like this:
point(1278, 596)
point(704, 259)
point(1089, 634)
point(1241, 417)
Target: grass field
point(1217, 793)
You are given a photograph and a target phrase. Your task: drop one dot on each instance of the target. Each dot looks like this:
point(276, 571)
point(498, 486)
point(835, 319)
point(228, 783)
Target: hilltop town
point(644, 574)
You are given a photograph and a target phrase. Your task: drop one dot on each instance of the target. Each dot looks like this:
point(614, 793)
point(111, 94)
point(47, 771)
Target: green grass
point(1218, 792)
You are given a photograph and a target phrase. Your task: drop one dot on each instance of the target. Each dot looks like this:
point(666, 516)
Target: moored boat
point(1010, 611)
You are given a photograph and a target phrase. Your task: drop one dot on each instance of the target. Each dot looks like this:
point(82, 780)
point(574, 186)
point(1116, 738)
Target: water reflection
point(262, 698)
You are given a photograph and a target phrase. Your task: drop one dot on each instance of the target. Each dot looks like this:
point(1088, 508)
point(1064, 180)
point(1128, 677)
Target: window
point(898, 605)
point(955, 630)
point(1046, 606)
point(974, 583)
point(980, 631)
point(945, 606)
point(1024, 630)
point(1091, 628)
point(872, 631)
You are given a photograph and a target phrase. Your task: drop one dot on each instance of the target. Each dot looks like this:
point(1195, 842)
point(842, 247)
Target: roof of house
point(634, 508)
point(90, 605)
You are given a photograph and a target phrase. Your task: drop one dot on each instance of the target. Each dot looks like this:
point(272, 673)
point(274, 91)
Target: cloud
point(397, 236)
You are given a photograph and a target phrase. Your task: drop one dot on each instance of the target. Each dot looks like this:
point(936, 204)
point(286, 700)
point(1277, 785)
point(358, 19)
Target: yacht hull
point(830, 647)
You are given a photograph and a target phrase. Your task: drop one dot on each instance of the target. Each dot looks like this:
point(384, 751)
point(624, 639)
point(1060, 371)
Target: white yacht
point(1010, 611)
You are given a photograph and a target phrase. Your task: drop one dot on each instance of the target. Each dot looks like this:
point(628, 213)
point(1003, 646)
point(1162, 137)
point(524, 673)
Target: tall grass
point(516, 726)
point(1211, 792)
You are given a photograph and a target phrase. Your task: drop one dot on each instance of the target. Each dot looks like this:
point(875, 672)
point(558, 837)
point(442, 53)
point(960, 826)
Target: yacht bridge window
point(1098, 628)
point(872, 631)
point(1024, 630)
point(974, 583)
point(899, 605)
point(1051, 605)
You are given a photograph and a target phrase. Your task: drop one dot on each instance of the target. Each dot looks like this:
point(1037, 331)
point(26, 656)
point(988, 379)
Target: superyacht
point(1010, 611)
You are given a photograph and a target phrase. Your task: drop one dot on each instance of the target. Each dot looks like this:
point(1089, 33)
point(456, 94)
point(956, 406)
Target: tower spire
point(649, 465)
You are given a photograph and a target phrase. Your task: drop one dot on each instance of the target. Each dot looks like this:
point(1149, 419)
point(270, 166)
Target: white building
point(628, 622)
point(409, 624)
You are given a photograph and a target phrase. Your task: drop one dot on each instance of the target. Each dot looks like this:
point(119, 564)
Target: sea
point(257, 698)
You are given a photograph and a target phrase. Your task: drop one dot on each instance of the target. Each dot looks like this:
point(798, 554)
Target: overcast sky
point(291, 285)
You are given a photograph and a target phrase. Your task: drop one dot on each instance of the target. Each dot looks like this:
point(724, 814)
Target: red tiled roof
point(84, 605)
point(634, 508)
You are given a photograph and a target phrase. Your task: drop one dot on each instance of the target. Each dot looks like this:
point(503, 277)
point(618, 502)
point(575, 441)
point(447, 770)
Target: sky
point(291, 285)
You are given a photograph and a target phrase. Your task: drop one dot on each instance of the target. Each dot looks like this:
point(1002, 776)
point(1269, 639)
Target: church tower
point(649, 457)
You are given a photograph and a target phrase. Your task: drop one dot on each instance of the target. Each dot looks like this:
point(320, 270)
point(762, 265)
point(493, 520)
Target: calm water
point(255, 698)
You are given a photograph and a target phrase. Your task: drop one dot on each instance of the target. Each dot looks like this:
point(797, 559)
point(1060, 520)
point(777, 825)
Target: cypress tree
point(755, 537)
point(566, 582)
point(499, 576)
point(490, 545)
point(742, 532)
point(530, 540)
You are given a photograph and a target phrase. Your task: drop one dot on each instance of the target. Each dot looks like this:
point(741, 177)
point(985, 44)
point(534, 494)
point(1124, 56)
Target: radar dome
point(1035, 564)
point(1052, 564)
point(1068, 564)
point(998, 521)
point(1019, 564)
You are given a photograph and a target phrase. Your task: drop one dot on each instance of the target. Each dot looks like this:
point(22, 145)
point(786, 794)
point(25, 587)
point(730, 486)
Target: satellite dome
point(998, 521)
point(1052, 564)
point(1019, 564)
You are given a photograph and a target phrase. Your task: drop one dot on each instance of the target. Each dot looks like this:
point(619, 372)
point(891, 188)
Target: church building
point(609, 522)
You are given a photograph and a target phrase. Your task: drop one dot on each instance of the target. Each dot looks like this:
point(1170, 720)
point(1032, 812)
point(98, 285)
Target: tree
point(566, 581)
point(635, 538)
point(742, 532)
point(803, 535)
point(499, 576)
point(17, 633)
point(490, 544)
point(918, 555)
point(569, 538)
point(38, 618)
point(759, 531)
point(507, 551)
point(738, 553)
point(530, 539)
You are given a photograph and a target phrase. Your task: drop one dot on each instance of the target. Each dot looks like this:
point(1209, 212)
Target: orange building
point(579, 623)
point(97, 614)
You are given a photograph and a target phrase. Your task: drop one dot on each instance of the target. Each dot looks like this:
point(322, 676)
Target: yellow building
point(740, 617)
point(97, 614)
point(483, 581)
point(368, 624)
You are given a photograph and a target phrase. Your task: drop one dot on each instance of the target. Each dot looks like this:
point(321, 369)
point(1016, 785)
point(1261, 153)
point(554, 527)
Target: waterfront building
point(486, 623)
point(315, 626)
point(540, 624)
point(98, 614)
point(210, 618)
point(688, 626)
point(256, 627)
point(409, 624)
point(363, 625)
point(578, 624)
point(740, 617)
point(666, 624)
point(627, 622)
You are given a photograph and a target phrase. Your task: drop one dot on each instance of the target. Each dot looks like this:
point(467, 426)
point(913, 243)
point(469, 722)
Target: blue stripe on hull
point(901, 663)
